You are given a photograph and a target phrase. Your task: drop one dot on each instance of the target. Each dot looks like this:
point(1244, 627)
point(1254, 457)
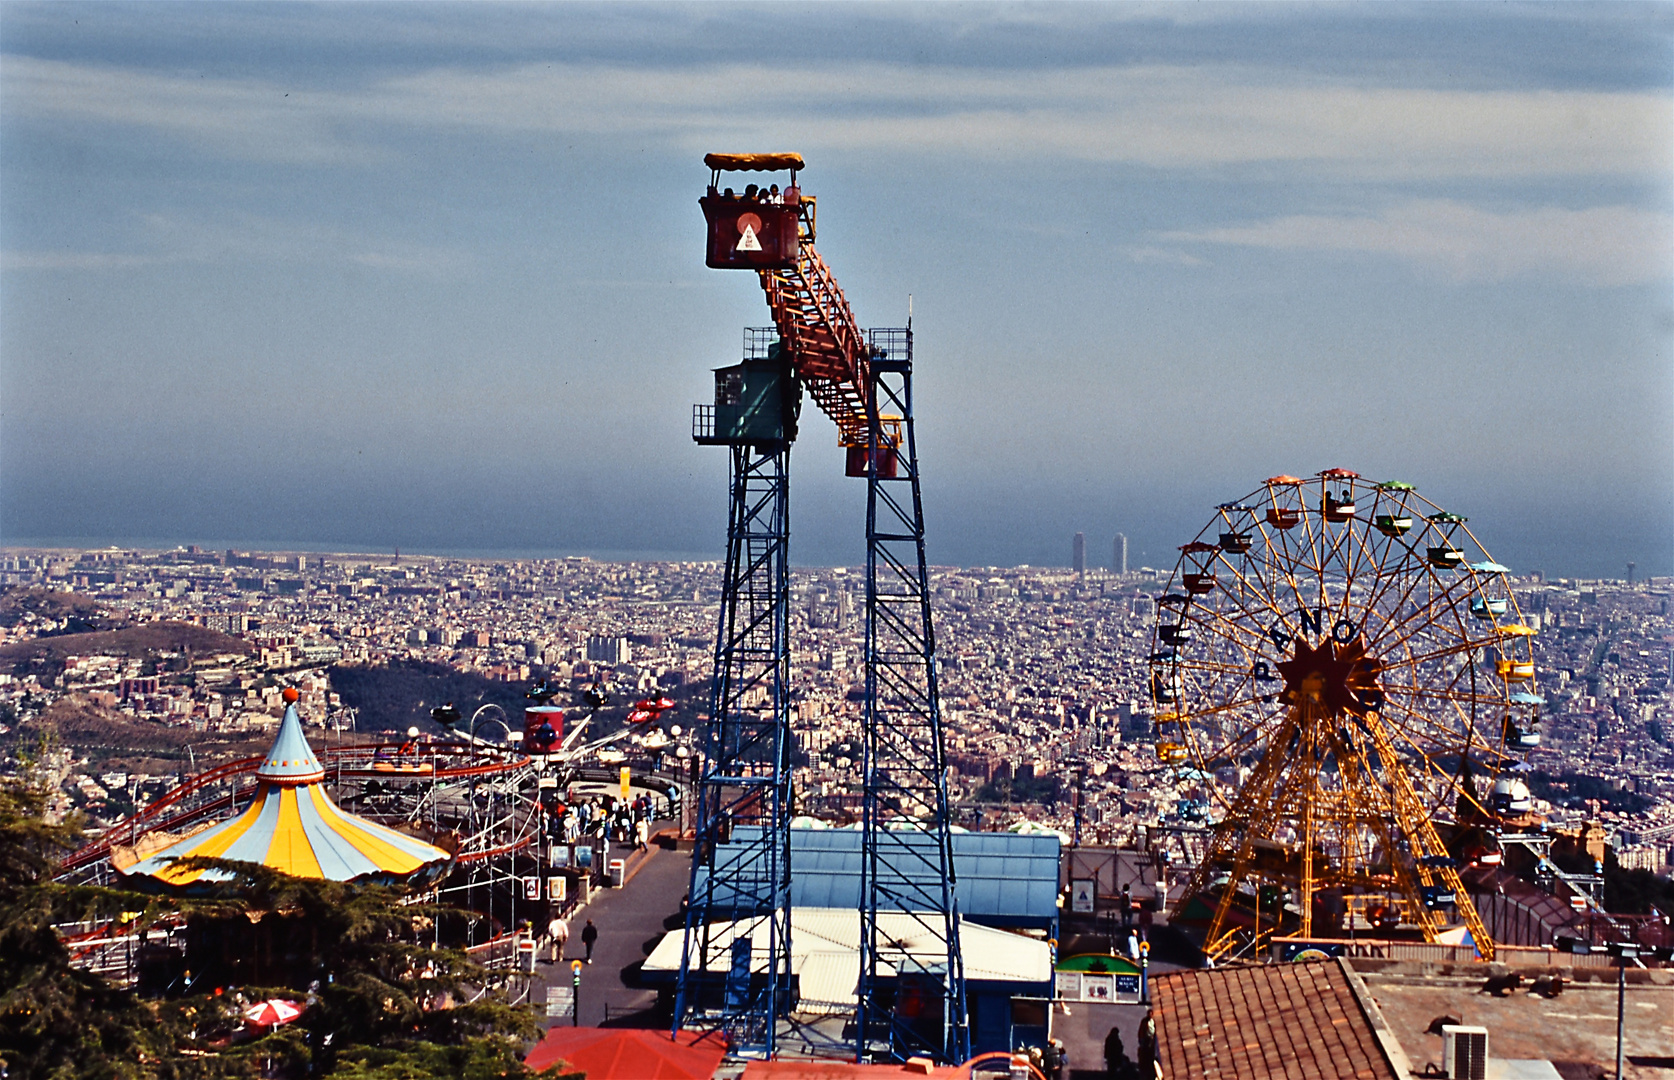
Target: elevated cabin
point(757, 227)
point(1198, 584)
point(1445, 558)
point(1393, 525)
point(1487, 607)
point(757, 403)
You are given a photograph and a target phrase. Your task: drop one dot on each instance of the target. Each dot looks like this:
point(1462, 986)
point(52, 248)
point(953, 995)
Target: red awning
point(629, 1053)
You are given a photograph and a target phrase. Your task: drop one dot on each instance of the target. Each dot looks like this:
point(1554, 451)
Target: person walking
point(1127, 907)
point(589, 934)
point(1148, 1045)
point(1116, 1063)
point(558, 934)
point(642, 833)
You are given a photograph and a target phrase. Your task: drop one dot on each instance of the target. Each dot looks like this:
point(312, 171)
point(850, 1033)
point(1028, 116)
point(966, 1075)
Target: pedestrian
point(558, 933)
point(589, 934)
point(1148, 1045)
point(1116, 1063)
point(1052, 1060)
point(642, 833)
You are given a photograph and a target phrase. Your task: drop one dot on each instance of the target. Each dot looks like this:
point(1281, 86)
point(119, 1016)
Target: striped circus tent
point(293, 826)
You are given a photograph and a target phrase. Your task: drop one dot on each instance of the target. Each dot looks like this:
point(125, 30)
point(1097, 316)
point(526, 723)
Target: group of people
point(605, 816)
point(1117, 1064)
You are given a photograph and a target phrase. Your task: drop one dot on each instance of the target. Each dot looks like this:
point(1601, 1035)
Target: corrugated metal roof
point(1002, 879)
point(990, 955)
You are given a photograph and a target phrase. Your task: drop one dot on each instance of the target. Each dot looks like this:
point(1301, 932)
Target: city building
point(602, 649)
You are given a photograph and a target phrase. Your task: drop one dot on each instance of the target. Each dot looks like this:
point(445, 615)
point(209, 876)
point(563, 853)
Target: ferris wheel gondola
point(1344, 661)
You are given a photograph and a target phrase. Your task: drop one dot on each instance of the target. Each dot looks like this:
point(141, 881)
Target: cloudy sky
point(360, 276)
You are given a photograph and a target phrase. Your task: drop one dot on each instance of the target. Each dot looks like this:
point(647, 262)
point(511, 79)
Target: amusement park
point(1339, 682)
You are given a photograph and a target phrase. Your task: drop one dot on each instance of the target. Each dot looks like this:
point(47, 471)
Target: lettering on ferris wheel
point(1308, 622)
point(1312, 623)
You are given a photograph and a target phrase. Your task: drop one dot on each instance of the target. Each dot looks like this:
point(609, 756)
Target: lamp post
point(575, 993)
point(1622, 952)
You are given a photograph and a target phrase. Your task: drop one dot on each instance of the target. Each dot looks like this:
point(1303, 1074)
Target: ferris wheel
point(1340, 670)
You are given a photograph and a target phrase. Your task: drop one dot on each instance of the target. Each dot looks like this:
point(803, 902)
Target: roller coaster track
point(348, 763)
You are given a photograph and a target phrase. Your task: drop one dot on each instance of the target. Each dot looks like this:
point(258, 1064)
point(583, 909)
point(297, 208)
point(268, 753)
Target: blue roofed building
point(1006, 889)
point(1004, 880)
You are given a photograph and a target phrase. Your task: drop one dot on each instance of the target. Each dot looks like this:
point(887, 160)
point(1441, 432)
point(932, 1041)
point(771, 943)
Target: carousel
point(293, 826)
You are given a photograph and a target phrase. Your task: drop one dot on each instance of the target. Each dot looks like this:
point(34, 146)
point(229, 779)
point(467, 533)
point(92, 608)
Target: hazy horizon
point(432, 275)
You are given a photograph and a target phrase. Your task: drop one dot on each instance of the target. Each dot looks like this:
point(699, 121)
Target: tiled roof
point(1272, 1020)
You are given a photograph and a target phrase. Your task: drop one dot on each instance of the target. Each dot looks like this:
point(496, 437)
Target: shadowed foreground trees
point(383, 1001)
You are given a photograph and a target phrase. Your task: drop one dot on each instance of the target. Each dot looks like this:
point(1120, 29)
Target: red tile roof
point(1272, 1020)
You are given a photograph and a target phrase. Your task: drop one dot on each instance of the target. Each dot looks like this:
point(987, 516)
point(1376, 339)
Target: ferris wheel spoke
point(1446, 739)
point(1410, 626)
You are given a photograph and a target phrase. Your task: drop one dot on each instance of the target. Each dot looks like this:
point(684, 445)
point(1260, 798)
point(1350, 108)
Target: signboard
point(560, 855)
point(1096, 986)
point(531, 888)
point(626, 794)
point(560, 1000)
point(1083, 896)
point(557, 888)
point(1303, 951)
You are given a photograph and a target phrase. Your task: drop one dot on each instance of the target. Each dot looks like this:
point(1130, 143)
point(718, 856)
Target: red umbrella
point(272, 1013)
point(629, 1053)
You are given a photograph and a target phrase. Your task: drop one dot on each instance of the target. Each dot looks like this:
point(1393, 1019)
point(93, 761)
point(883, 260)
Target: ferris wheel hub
point(1332, 678)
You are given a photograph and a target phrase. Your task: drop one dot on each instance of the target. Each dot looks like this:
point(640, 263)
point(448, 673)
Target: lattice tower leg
point(907, 852)
point(739, 981)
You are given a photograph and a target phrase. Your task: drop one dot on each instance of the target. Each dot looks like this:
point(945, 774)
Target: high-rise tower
point(1119, 555)
point(1078, 553)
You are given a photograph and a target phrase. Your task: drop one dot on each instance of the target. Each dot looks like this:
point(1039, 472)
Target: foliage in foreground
point(368, 1017)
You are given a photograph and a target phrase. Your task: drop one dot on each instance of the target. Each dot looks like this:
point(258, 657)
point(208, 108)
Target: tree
point(377, 1014)
point(56, 1021)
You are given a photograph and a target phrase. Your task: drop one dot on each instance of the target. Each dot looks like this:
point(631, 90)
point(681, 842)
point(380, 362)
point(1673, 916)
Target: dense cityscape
point(1042, 671)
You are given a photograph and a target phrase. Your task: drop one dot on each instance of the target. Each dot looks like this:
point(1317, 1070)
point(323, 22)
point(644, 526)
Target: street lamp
point(1622, 951)
point(575, 993)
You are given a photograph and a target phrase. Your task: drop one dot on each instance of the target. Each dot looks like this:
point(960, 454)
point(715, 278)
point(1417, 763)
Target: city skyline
point(431, 277)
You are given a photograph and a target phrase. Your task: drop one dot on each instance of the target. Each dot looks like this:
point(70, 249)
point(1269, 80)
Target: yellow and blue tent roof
point(293, 826)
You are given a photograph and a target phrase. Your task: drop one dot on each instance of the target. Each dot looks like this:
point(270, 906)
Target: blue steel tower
point(735, 969)
point(906, 845)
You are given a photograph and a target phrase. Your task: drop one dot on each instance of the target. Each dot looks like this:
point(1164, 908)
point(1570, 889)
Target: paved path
point(631, 920)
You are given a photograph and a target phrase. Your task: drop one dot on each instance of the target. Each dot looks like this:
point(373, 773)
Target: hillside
point(109, 739)
point(45, 655)
point(81, 613)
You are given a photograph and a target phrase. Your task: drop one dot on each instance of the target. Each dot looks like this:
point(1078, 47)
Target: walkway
point(631, 920)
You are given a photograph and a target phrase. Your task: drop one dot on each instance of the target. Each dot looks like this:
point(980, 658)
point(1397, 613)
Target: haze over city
point(358, 277)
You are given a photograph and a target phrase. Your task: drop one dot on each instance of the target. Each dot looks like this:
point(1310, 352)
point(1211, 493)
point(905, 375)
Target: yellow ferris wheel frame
point(1337, 664)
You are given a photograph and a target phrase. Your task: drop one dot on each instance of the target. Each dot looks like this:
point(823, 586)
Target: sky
point(355, 277)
